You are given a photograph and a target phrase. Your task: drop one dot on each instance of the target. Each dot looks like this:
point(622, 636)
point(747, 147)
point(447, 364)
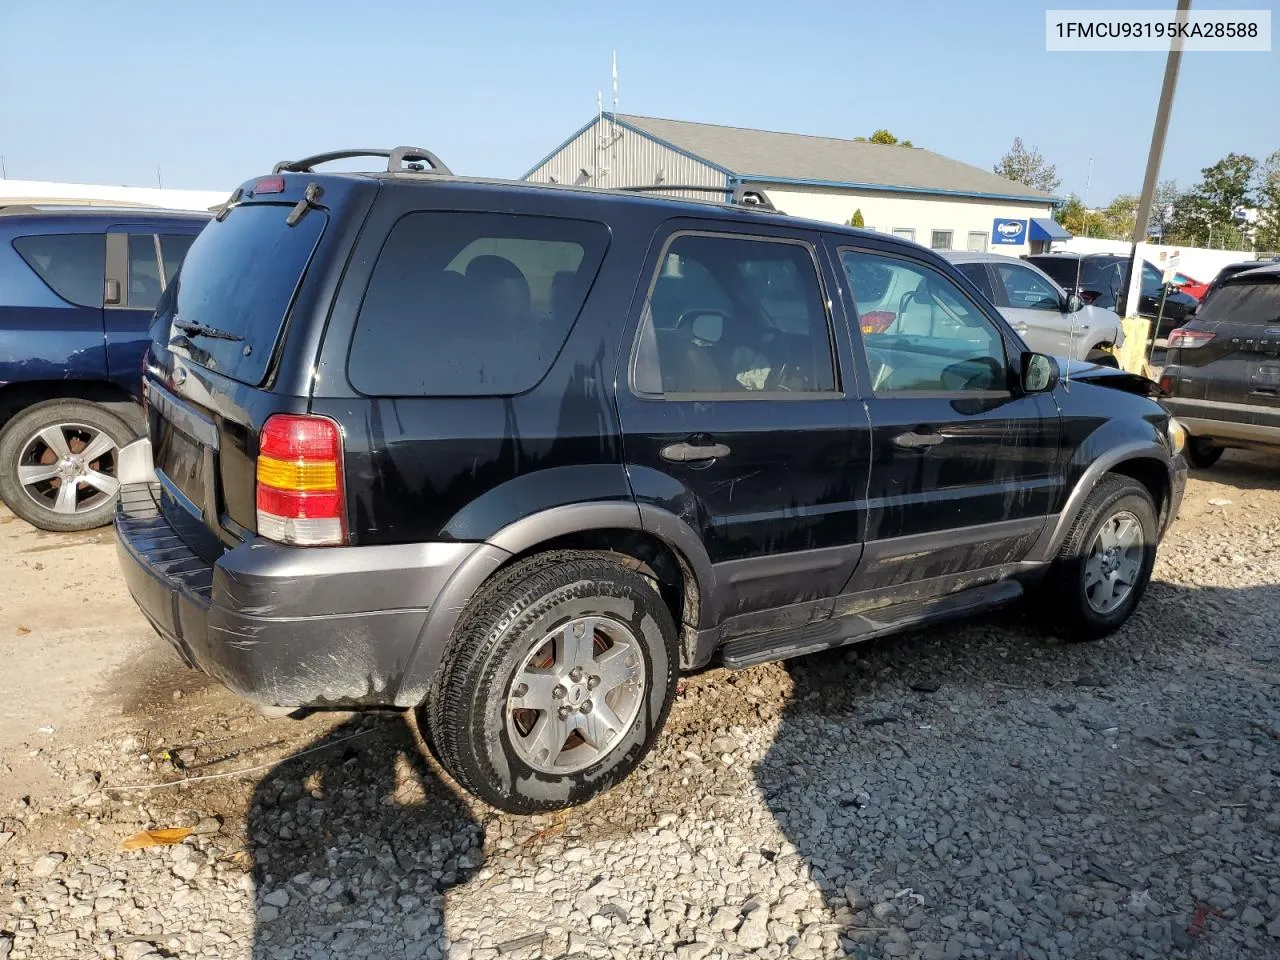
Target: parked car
point(1041, 312)
point(1222, 372)
point(1102, 280)
point(1190, 286)
point(1230, 270)
point(513, 455)
point(77, 290)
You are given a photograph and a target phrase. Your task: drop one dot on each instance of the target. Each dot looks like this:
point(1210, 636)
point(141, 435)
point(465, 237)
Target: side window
point(977, 241)
point(1027, 290)
point(173, 248)
point(936, 339)
point(940, 239)
point(976, 273)
point(729, 315)
point(144, 272)
point(1151, 281)
point(72, 264)
point(471, 304)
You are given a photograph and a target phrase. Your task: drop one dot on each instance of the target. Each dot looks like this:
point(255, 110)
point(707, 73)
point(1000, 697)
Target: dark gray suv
point(1223, 369)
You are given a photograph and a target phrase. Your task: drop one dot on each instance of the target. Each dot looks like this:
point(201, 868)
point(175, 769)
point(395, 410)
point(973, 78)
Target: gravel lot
point(981, 790)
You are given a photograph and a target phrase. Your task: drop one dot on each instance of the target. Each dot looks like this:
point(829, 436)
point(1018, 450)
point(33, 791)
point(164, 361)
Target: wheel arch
point(17, 397)
point(655, 542)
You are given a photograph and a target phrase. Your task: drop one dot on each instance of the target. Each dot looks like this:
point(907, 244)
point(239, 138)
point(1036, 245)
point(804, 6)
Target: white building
point(92, 194)
point(906, 191)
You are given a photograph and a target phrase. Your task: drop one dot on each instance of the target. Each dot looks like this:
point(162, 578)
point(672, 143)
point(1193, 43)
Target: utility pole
point(1149, 182)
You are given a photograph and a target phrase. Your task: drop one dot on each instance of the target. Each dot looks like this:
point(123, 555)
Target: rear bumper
point(285, 626)
point(1230, 424)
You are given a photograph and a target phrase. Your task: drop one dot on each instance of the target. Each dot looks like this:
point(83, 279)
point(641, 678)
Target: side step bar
point(826, 634)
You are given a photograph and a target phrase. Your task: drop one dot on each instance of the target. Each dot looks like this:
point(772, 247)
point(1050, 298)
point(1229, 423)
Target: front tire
point(556, 683)
point(1103, 359)
point(1202, 454)
point(58, 462)
point(1105, 563)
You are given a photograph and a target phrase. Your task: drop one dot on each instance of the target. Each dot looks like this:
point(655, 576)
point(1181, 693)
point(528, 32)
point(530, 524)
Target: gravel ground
point(981, 790)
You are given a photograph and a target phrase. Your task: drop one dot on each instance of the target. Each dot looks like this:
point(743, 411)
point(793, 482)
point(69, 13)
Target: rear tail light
point(1185, 339)
point(300, 496)
point(1166, 383)
point(877, 321)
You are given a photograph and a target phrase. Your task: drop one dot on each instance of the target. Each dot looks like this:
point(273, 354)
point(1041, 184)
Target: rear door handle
point(917, 441)
point(691, 452)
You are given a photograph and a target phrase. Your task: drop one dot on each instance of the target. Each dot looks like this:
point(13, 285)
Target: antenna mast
point(615, 83)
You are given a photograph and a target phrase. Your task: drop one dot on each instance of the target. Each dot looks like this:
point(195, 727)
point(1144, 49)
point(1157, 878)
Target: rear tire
point(42, 451)
point(1104, 565)
point(1202, 454)
point(1103, 359)
point(555, 684)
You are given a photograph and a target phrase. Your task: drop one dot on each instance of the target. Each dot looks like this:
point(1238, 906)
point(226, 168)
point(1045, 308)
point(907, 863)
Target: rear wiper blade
point(200, 330)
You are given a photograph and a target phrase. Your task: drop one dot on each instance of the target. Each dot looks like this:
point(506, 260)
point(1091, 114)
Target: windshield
point(239, 278)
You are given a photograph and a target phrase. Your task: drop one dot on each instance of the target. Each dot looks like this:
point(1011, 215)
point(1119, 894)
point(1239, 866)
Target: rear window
point(72, 264)
point(1063, 270)
point(240, 277)
point(471, 304)
point(1252, 303)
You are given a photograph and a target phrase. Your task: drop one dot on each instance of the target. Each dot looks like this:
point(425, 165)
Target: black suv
point(1222, 373)
point(515, 455)
point(1102, 280)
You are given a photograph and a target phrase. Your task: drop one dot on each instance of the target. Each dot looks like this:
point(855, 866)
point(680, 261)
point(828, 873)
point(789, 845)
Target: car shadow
point(1004, 785)
point(354, 842)
point(1245, 470)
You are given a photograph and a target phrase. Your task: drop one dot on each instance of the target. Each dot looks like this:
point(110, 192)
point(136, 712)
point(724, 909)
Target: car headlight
point(1177, 434)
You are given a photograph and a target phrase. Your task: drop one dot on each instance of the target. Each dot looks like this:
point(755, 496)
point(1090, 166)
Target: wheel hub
point(575, 696)
point(1115, 559)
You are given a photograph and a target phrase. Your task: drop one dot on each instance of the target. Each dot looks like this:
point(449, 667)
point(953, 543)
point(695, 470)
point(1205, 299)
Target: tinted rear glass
point(1252, 303)
point(1062, 269)
point(471, 304)
point(240, 276)
point(72, 264)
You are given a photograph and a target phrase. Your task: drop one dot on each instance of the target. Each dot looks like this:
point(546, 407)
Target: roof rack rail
point(398, 160)
point(739, 194)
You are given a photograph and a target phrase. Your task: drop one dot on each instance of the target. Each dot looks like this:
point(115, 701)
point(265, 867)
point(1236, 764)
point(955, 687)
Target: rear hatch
point(234, 340)
point(1229, 355)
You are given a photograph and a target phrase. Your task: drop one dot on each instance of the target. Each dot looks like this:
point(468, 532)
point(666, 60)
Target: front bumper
point(284, 626)
point(1228, 424)
point(1177, 487)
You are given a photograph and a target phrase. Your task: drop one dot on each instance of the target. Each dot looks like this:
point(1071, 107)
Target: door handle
point(691, 452)
point(917, 441)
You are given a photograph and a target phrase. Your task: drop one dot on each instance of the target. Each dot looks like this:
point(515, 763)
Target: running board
point(826, 634)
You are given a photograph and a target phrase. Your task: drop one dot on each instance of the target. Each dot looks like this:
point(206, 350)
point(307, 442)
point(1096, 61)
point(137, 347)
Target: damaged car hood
point(1083, 372)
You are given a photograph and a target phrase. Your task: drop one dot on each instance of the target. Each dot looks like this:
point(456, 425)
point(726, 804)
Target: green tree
point(1079, 221)
point(1205, 214)
point(1267, 198)
point(856, 220)
point(1028, 167)
point(1120, 215)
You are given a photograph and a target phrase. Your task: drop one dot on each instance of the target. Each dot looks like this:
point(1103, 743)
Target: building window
point(940, 240)
point(977, 241)
point(905, 233)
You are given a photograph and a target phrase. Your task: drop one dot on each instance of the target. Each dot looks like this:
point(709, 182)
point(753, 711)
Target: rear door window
point(240, 277)
point(471, 304)
point(173, 248)
point(72, 264)
point(144, 271)
point(976, 273)
point(1026, 289)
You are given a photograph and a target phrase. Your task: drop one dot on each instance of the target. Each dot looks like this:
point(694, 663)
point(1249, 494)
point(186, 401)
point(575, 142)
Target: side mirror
point(1039, 373)
point(111, 292)
point(1073, 303)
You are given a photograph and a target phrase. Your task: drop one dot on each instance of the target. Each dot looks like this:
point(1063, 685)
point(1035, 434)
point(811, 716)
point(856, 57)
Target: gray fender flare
point(1046, 548)
point(424, 661)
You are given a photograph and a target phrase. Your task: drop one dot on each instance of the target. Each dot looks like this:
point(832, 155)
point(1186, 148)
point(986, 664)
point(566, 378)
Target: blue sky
point(213, 94)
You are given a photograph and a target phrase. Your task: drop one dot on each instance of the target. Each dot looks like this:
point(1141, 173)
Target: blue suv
point(78, 287)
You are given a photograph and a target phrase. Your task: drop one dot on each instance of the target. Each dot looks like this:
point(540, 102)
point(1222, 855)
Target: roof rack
point(739, 194)
point(399, 160)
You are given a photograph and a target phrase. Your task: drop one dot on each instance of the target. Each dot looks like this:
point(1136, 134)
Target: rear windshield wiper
point(200, 330)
